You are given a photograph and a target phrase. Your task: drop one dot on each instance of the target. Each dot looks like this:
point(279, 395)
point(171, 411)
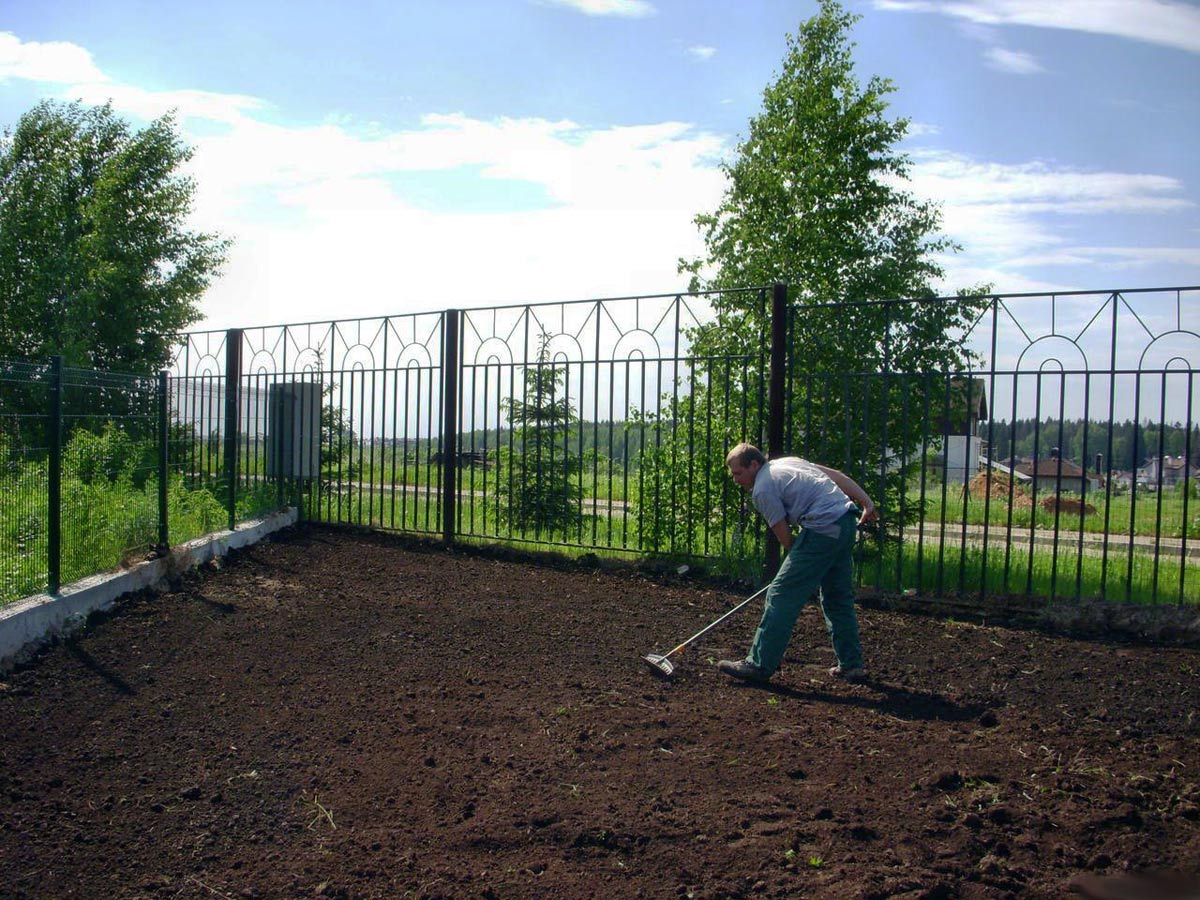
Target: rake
point(661, 664)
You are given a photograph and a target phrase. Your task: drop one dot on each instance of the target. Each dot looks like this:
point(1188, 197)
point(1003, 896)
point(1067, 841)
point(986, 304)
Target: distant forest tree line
point(1132, 444)
point(618, 441)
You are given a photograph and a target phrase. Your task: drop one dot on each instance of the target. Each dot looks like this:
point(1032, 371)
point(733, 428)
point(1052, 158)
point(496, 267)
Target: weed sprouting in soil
point(318, 811)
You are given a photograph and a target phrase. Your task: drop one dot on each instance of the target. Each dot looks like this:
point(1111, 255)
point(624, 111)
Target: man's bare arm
point(851, 489)
point(784, 533)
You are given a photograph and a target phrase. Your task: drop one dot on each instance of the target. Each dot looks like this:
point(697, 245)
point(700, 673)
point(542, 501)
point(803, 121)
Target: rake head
point(659, 665)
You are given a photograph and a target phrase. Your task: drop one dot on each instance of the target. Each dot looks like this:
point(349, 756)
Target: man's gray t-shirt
point(794, 489)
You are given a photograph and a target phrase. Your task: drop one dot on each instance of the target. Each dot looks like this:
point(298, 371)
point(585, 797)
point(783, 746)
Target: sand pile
point(998, 485)
point(1066, 505)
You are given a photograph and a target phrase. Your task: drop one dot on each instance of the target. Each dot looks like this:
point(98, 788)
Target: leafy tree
point(538, 486)
point(338, 439)
point(816, 199)
point(96, 261)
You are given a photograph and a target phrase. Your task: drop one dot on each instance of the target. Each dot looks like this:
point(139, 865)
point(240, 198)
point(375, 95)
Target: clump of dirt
point(999, 486)
point(339, 714)
point(1070, 505)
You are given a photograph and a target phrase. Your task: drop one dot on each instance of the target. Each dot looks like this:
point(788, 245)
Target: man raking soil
point(828, 506)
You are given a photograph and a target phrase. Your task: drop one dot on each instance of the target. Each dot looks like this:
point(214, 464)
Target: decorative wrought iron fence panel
point(1058, 463)
point(1061, 464)
point(360, 401)
point(570, 417)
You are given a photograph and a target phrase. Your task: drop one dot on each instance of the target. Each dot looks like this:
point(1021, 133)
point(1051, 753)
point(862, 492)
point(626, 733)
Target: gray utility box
point(294, 430)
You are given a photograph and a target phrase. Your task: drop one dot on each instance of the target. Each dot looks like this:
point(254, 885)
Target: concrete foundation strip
point(27, 625)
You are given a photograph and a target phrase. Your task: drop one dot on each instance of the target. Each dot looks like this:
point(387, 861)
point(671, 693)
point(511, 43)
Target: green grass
point(602, 479)
point(104, 525)
point(1120, 578)
point(1151, 514)
point(478, 520)
point(110, 520)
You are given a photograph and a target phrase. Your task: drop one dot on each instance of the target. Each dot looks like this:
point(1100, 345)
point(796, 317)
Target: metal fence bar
point(776, 404)
point(449, 442)
point(163, 402)
point(233, 381)
point(54, 562)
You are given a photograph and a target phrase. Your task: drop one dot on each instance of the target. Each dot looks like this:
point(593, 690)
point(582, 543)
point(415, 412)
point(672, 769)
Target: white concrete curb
point(28, 624)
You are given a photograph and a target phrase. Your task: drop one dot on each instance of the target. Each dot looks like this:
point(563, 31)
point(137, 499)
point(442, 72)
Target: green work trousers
point(814, 560)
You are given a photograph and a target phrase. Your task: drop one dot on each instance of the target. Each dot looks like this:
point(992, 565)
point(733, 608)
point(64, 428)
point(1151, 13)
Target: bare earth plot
point(346, 716)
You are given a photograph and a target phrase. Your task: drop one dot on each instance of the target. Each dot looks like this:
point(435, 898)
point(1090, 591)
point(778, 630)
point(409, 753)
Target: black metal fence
point(381, 431)
point(98, 470)
point(80, 463)
point(1058, 462)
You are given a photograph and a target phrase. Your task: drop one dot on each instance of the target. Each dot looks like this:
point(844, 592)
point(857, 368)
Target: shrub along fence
point(96, 471)
point(1046, 448)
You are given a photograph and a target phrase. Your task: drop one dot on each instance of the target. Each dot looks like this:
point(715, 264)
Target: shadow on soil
point(895, 701)
point(120, 685)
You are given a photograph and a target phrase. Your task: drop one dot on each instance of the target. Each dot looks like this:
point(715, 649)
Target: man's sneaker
point(743, 669)
point(857, 673)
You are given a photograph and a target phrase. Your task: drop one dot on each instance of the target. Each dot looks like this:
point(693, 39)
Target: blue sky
point(384, 157)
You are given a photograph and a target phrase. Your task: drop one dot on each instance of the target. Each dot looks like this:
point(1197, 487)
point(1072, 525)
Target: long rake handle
point(712, 625)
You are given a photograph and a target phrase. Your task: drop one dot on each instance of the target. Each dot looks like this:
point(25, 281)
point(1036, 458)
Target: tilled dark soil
point(342, 715)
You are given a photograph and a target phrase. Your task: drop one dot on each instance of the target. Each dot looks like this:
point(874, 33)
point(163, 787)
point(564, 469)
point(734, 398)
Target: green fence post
point(450, 365)
point(54, 513)
point(163, 530)
point(775, 401)
point(233, 382)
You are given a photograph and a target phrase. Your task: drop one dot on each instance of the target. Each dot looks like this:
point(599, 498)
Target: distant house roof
point(966, 404)
point(1166, 463)
point(1052, 467)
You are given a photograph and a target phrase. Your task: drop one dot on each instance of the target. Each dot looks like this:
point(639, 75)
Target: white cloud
point(327, 226)
point(1140, 257)
point(73, 68)
point(323, 229)
point(574, 165)
point(700, 51)
point(319, 209)
point(1040, 187)
point(1013, 61)
point(922, 129)
point(323, 226)
point(631, 9)
point(1165, 22)
point(189, 104)
point(1008, 217)
point(56, 61)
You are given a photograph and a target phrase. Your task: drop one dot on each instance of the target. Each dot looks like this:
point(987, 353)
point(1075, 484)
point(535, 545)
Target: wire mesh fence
point(108, 494)
point(101, 469)
point(24, 479)
point(80, 455)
